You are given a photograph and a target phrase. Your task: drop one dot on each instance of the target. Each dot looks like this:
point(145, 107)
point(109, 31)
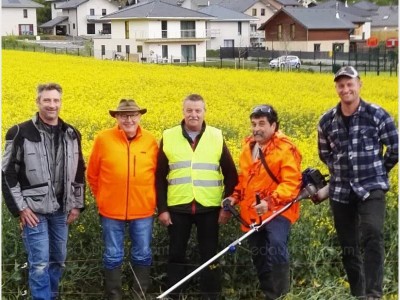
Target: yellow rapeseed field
point(92, 87)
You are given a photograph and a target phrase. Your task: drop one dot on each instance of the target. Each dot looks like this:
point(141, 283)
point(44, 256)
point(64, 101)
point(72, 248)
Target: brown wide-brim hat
point(127, 105)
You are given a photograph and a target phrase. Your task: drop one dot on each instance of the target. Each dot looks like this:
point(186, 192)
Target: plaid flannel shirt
point(355, 156)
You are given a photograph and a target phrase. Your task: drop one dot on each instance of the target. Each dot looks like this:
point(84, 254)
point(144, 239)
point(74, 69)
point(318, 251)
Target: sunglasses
point(262, 109)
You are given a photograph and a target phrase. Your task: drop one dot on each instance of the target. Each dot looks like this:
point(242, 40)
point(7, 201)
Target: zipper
point(127, 182)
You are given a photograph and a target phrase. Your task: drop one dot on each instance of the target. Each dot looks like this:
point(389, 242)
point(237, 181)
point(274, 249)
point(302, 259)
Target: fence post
point(55, 50)
point(204, 62)
point(365, 69)
point(187, 60)
point(320, 66)
point(221, 63)
point(377, 65)
point(78, 52)
point(258, 63)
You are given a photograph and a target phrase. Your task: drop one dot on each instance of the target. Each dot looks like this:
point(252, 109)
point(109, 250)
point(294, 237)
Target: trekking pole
point(253, 229)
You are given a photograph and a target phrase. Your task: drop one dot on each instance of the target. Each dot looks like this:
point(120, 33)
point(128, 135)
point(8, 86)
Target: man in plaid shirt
point(351, 140)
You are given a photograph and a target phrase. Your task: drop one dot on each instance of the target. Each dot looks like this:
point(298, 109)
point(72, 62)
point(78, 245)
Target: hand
point(232, 201)
point(73, 215)
point(28, 217)
point(165, 219)
point(224, 216)
point(261, 208)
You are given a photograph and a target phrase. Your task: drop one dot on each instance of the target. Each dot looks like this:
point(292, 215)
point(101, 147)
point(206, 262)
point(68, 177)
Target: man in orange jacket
point(271, 171)
point(121, 176)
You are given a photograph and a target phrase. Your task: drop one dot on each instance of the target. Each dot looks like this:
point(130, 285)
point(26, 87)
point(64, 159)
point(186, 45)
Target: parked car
point(287, 60)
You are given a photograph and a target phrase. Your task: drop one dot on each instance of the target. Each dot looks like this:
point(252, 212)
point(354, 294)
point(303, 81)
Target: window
point(73, 25)
point(239, 28)
point(26, 29)
point(119, 48)
point(164, 29)
point(279, 32)
point(127, 49)
point(188, 52)
point(25, 12)
point(106, 28)
point(253, 27)
point(229, 43)
point(103, 12)
point(92, 12)
point(164, 51)
point(292, 31)
point(338, 47)
point(139, 49)
point(91, 29)
point(126, 29)
point(188, 29)
point(254, 12)
point(103, 49)
point(263, 11)
point(317, 47)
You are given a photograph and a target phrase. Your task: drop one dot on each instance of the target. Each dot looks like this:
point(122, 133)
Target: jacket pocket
point(36, 196)
point(35, 192)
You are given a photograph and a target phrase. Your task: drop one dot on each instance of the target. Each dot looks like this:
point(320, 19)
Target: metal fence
point(379, 59)
point(376, 60)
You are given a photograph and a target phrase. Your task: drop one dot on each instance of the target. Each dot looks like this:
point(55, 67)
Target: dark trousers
point(359, 226)
point(207, 237)
point(269, 246)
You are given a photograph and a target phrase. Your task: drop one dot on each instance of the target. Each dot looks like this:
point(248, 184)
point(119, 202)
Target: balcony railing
point(93, 17)
point(188, 33)
point(168, 35)
point(213, 32)
point(257, 34)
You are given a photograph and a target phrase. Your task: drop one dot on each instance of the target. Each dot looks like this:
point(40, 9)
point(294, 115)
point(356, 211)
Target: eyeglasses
point(262, 109)
point(126, 117)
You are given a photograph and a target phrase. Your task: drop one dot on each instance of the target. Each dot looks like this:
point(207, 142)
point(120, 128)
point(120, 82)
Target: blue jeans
point(140, 233)
point(269, 246)
point(46, 245)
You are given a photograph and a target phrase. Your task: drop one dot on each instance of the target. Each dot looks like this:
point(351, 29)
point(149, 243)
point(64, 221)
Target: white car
point(287, 60)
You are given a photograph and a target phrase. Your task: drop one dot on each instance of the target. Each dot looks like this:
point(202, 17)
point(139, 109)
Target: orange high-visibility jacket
point(121, 174)
point(284, 161)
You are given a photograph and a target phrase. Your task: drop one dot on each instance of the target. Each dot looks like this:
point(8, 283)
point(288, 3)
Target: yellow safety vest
point(194, 174)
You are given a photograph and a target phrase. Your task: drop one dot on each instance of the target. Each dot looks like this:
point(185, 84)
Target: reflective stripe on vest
point(194, 174)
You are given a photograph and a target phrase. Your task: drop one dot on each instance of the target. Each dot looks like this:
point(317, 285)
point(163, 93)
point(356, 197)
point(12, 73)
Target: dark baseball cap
point(348, 71)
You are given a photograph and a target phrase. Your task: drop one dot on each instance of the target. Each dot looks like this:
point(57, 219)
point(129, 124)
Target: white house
point(18, 17)
point(80, 17)
point(155, 31)
point(229, 29)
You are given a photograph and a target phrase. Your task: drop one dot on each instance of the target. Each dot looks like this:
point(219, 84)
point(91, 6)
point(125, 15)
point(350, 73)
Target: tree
point(43, 14)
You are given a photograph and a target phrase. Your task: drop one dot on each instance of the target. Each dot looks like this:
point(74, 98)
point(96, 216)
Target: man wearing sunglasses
point(121, 177)
point(270, 178)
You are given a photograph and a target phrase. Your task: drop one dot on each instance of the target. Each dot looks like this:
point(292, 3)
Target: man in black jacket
point(43, 183)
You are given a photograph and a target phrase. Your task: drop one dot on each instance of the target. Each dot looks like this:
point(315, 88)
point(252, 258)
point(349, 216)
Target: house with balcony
point(229, 29)
point(385, 23)
point(18, 17)
point(308, 29)
point(80, 17)
point(155, 31)
point(360, 17)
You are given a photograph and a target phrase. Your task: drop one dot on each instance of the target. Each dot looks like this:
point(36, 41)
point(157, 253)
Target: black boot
point(274, 284)
point(113, 284)
point(141, 281)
